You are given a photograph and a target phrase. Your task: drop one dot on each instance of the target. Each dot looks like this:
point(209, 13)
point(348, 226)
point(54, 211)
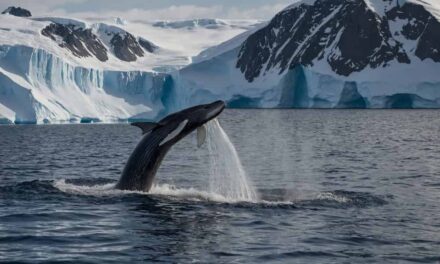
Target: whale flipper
point(145, 126)
point(201, 135)
point(174, 133)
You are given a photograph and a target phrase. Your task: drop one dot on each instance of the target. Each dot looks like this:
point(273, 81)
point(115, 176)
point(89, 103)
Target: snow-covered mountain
point(328, 54)
point(71, 70)
point(314, 53)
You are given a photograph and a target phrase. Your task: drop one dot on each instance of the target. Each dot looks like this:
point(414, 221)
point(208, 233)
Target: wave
point(157, 190)
point(105, 188)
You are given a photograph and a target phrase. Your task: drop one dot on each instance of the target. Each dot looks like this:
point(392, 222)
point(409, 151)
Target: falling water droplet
point(227, 175)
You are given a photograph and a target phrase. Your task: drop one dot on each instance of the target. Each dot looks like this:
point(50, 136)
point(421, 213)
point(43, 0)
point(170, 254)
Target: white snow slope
point(217, 77)
point(41, 82)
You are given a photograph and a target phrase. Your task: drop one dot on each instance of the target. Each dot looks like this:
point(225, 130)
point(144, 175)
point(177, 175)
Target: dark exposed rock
point(147, 45)
point(126, 47)
point(365, 41)
point(418, 16)
point(347, 34)
point(351, 98)
point(17, 11)
point(429, 42)
point(81, 42)
point(420, 25)
point(123, 44)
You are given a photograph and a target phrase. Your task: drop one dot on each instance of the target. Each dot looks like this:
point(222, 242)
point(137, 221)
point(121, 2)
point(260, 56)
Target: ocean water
point(331, 187)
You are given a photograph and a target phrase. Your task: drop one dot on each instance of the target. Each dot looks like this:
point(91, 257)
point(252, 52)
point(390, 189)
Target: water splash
point(269, 197)
point(103, 190)
point(228, 181)
point(227, 176)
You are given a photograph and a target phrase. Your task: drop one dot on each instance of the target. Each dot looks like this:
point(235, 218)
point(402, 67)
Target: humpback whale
point(157, 140)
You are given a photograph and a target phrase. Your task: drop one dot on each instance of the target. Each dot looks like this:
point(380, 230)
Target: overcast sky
point(154, 9)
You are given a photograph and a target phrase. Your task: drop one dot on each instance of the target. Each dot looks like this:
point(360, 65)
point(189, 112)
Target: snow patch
point(298, 3)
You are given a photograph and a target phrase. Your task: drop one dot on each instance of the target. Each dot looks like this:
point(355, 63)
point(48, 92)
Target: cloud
point(249, 10)
point(262, 12)
point(171, 13)
point(180, 12)
point(38, 6)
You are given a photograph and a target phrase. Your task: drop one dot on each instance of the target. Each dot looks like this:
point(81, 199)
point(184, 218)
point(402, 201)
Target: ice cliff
point(327, 54)
point(56, 70)
point(38, 87)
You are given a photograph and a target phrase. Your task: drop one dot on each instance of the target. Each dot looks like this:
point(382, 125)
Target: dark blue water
point(335, 187)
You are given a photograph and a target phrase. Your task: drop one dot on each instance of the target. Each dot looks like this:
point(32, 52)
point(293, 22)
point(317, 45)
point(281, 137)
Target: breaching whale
point(157, 140)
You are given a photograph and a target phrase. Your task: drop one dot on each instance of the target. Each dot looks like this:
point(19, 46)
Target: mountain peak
point(17, 11)
point(348, 35)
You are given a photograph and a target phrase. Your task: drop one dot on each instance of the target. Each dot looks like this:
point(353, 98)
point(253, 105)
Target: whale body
point(158, 138)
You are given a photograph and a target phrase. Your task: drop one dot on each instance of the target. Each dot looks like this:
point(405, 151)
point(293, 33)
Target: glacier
point(38, 87)
point(43, 82)
point(416, 85)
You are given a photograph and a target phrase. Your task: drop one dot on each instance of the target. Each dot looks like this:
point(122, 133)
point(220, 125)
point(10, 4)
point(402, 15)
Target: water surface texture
point(332, 186)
